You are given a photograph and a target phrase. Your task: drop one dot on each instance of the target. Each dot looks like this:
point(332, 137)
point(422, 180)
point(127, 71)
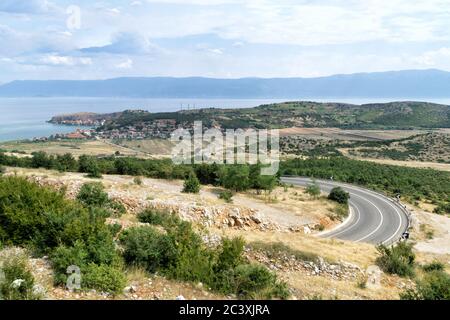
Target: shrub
point(96, 258)
point(257, 282)
point(435, 285)
point(235, 177)
point(93, 194)
point(138, 181)
point(2, 170)
point(313, 190)
point(397, 259)
point(104, 278)
point(179, 253)
point(16, 281)
point(63, 257)
point(159, 217)
point(70, 233)
point(433, 266)
point(90, 166)
point(117, 209)
point(31, 215)
point(148, 248)
point(339, 195)
point(191, 184)
point(280, 250)
point(227, 196)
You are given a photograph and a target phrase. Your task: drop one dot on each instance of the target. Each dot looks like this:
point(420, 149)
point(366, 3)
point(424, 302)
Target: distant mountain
point(394, 84)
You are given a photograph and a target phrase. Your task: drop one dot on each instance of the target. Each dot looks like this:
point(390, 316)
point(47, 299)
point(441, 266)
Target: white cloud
point(57, 60)
point(127, 64)
point(125, 43)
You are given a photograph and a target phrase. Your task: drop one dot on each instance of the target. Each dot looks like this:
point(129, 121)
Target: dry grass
point(75, 147)
point(411, 164)
point(341, 134)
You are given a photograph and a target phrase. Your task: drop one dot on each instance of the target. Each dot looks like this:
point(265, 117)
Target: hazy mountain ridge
point(394, 84)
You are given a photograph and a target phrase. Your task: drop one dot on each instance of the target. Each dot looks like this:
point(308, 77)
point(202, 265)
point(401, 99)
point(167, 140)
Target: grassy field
point(142, 148)
point(349, 135)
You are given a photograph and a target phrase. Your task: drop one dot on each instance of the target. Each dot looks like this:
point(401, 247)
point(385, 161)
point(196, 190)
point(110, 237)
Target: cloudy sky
point(89, 39)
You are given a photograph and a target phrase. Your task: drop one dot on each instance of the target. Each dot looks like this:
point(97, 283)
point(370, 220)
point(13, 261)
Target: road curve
point(374, 218)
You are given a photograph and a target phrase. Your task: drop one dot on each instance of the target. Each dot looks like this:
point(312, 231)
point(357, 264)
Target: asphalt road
point(374, 218)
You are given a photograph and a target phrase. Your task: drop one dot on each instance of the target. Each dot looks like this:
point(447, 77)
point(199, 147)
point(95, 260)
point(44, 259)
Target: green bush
point(33, 215)
point(138, 181)
point(339, 195)
point(191, 184)
point(399, 259)
point(159, 217)
point(257, 282)
point(435, 285)
point(16, 280)
point(433, 266)
point(93, 194)
point(43, 219)
point(227, 196)
point(179, 253)
point(313, 190)
point(148, 248)
point(100, 266)
point(104, 278)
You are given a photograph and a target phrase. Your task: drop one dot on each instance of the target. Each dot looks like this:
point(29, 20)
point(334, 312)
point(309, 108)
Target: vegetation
point(280, 250)
point(433, 266)
point(227, 196)
point(435, 285)
point(399, 115)
point(69, 232)
point(339, 195)
point(233, 177)
point(313, 190)
point(17, 281)
point(178, 252)
point(191, 184)
point(411, 183)
point(398, 259)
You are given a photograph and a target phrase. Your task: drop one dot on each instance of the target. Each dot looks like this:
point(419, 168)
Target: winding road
point(374, 218)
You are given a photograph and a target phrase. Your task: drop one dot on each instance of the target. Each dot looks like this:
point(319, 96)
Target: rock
point(256, 219)
point(130, 289)
point(306, 230)
point(180, 297)
point(238, 222)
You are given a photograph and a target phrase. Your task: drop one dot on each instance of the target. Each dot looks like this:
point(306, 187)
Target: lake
point(25, 118)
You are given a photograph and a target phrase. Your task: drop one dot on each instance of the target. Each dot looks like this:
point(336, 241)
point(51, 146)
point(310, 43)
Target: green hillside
point(394, 115)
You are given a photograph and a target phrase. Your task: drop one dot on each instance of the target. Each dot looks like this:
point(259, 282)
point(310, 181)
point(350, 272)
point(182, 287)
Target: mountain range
point(409, 84)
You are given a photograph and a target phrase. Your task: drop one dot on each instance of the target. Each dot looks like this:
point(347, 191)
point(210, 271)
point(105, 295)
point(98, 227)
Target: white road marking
point(374, 194)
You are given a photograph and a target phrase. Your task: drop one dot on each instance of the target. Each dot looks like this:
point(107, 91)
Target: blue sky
point(41, 39)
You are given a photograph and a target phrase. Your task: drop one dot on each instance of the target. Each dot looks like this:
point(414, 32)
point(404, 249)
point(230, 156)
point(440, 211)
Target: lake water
point(25, 118)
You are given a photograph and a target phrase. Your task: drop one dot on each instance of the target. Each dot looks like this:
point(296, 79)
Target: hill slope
point(394, 115)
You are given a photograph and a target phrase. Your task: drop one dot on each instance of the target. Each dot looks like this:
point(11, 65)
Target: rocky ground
point(339, 269)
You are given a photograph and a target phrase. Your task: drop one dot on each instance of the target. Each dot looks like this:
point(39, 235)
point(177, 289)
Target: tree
point(313, 190)
point(66, 162)
point(41, 160)
point(339, 195)
point(267, 183)
point(93, 194)
point(235, 177)
point(191, 184)
point(90, 166)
